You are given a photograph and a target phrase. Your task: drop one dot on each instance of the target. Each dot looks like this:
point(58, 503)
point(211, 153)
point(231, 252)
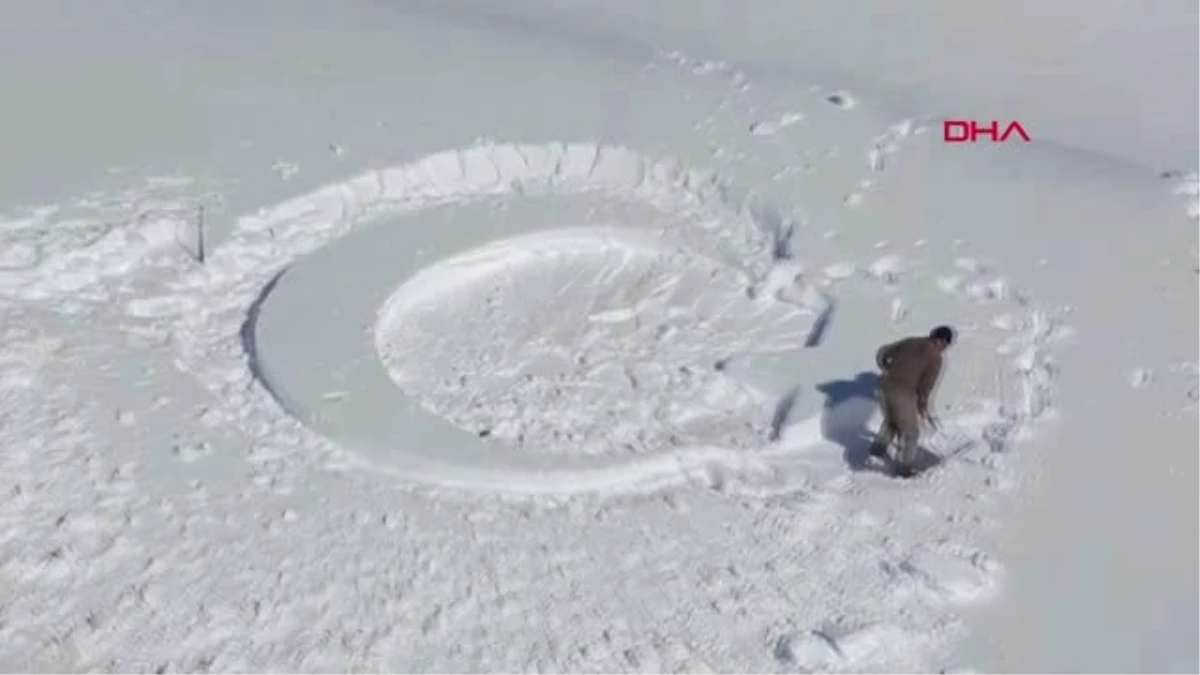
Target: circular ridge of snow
point(252, 274)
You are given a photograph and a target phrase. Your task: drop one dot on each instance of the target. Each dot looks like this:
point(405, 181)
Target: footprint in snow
point(1140, 377)
point(839, 271)
point(1188, 186)
point(887, 268)
point(970, 265)
point(1006, 322)
point(842, 100)
point(840, 647)
point(285, 170)
point(192, 452)
point(772, 127)
point(950, 576)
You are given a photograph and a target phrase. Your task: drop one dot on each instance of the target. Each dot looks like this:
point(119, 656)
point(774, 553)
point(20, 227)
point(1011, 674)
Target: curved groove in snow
point(333, 379)
point(330, 378)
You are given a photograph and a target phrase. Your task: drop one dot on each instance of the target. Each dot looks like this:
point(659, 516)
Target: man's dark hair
point(943, 333)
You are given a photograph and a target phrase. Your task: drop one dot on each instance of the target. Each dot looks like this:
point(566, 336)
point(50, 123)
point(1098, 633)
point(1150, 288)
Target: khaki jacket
point(911, 365)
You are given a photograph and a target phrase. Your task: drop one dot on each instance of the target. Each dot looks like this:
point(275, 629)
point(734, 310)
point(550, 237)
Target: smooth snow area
point(1113, 76)
point(466, 337)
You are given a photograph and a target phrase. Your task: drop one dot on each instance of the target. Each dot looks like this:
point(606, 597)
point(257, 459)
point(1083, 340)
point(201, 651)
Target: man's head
point(942, 337)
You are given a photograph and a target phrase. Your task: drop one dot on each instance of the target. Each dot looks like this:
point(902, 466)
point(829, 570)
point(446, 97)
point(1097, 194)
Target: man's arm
point(883, 357)
point(929, 378)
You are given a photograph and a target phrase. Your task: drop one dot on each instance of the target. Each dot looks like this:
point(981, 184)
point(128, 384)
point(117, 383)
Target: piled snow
point(57, 252)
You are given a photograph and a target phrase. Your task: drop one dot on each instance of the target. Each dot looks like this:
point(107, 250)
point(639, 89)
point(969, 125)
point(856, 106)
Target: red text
point(969, 131)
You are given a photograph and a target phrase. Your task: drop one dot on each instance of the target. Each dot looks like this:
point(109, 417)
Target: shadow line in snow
point(249, 343)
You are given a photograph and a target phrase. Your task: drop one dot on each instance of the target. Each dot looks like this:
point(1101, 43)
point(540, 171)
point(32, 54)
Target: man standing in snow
point(910, 370)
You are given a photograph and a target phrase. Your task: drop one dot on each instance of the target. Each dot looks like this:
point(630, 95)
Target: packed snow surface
point(549, 353)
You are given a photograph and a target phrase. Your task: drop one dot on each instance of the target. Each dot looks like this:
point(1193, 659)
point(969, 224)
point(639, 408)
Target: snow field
point(598, 283)
point(224, 311)
point(368, 432)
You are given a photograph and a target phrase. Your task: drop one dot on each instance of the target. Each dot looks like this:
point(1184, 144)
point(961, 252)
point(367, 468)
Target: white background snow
point(467, 335)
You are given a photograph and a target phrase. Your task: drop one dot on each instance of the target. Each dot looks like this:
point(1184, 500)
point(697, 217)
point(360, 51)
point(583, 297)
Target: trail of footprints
point(1164, 375)
point(1141, 377)
point(942, 573)
point(883, 149)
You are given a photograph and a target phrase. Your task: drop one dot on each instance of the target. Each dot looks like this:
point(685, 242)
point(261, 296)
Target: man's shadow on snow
point(848, 407)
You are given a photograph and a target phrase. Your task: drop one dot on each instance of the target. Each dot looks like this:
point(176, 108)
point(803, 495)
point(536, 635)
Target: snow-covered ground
point(459, 336)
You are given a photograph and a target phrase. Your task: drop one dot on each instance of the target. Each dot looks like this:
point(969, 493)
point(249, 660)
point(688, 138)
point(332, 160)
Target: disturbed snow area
point(594, 374)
